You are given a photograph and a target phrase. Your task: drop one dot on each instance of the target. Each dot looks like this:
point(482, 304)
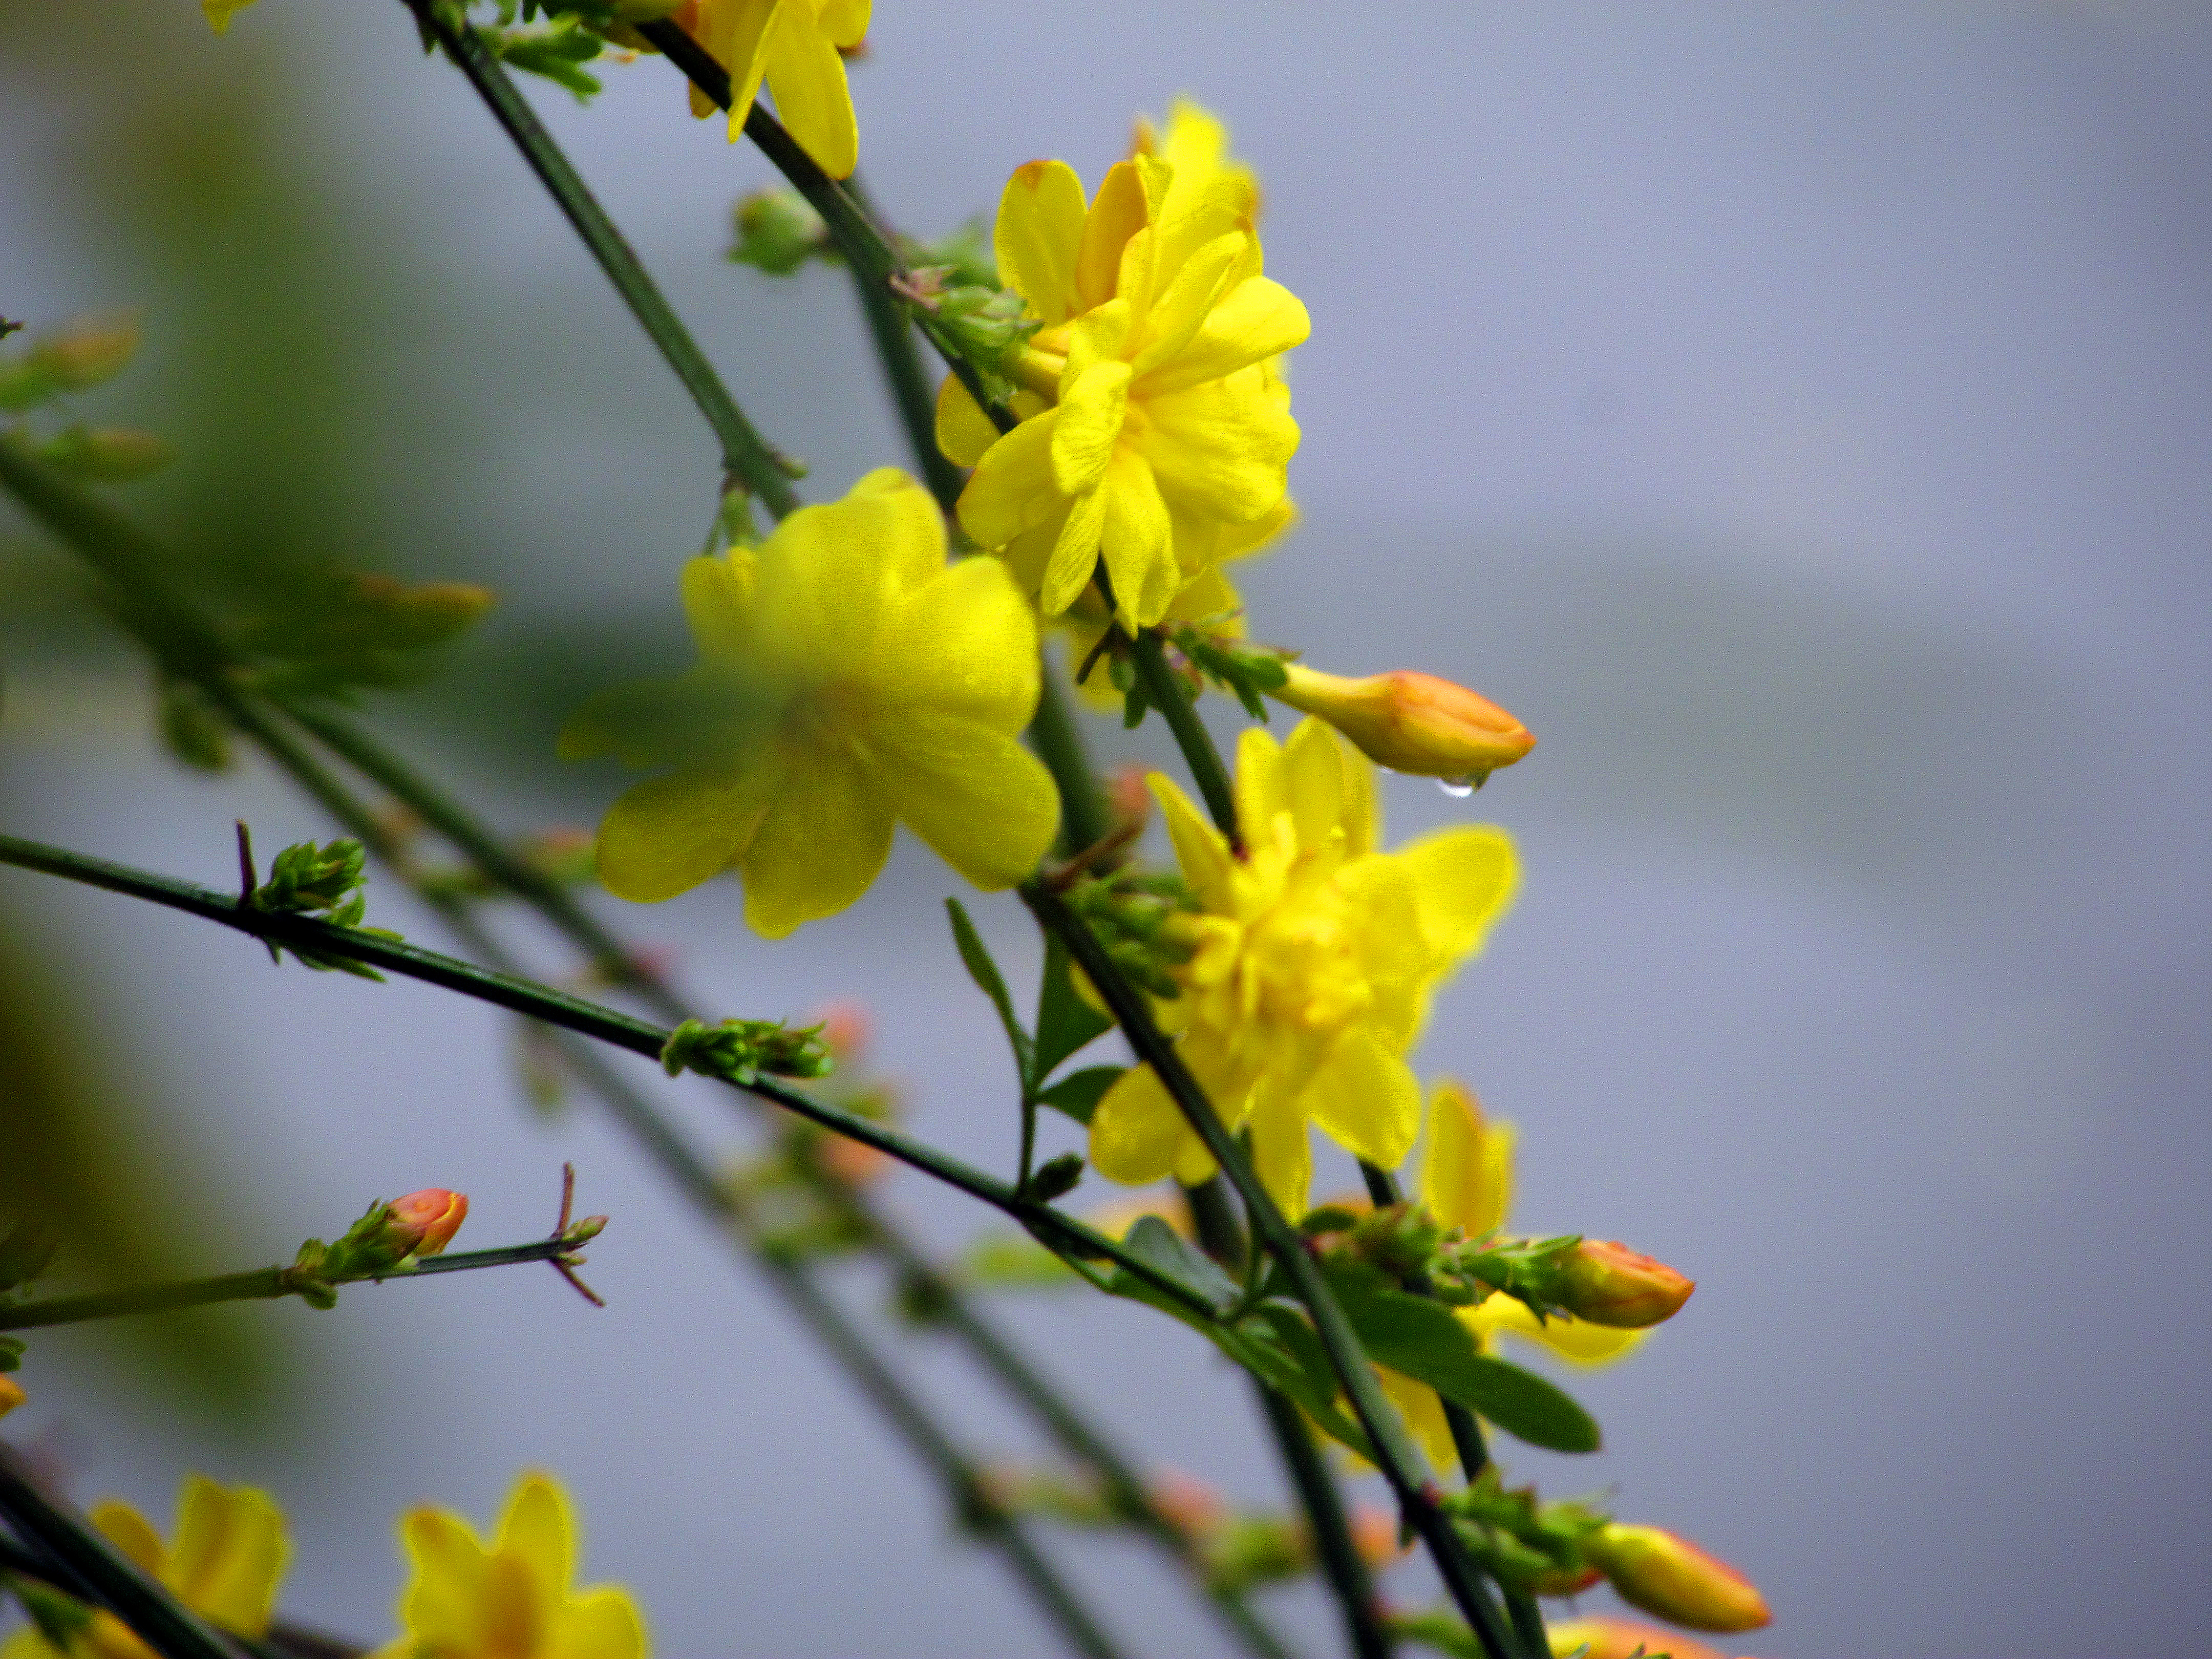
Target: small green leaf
point(1065, 1022)
point(1423, 1340)
point(985, 973)
point(1154, 1243)
point(1439, 1629)
point(1056, 1178)
point(1079, 1093)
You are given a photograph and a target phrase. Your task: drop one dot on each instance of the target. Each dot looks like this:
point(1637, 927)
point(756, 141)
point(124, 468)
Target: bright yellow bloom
point(230, 1551)
point(793, 44)
point(1315, 957)
point(1466, 1181)
point(1155, 425)
point(516, 1600)
point(848, 678)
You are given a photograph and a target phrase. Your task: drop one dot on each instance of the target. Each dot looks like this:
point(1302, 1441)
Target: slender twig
point(1164, 689)
point(746, 456)
point(1417, 1499)
point(893, 333)
point(1221, 1237)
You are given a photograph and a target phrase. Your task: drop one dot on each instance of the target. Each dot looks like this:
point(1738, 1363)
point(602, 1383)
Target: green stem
point(1051, 1227)
point(889, 327)
point(874, 261)
point(261, 1284)
point(746, 455)
point(1221, 1237)
point(151, 1613)
point(1165, 688)
point(1417, 1499)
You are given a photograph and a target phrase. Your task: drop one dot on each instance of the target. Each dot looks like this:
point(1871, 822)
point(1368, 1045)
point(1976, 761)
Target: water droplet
point(1457, 788)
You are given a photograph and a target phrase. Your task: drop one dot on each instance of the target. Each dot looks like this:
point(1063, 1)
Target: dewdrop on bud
point(1412, 722)
point(1609, 1284)
point(424, 1222)
point(1650, 1568)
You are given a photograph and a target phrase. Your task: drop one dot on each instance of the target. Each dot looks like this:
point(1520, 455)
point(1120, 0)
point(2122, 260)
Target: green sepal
point(325, 882)
point(985, 972)
point(1079, 1093)
point(1152, 1242)
point(557, 52)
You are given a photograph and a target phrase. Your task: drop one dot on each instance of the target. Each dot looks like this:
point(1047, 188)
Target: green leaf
point(1158, 1245)
point(1422, 1339)
point(1437, 1630)
point(1079, 1093)
point(985, 973)
point(1065, 1022)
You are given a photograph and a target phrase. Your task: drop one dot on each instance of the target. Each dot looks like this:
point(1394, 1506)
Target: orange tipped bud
point(845, 1027)
point(424, 1222)
point(1412, 722)
point(1188, 1504)
point(1609, 1284)
point(1618, 1638)
point(11, 1395)
point(855, 1162)
point(1652, 1569)
point(1375, 1535)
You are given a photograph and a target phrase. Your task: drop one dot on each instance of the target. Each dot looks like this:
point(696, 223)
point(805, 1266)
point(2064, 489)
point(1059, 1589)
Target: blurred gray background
point(1798, 415)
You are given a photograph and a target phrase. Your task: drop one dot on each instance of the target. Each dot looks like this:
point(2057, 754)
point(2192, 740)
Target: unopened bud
point(1609, 1284)
point(1652, 1569)
point(11, 1395)
point(777, 232)
point(1189, 1505)
point(106, 455)
point(1412, 722)
point(1619, 1638)
point(87, 352)
point(1375, 1535)
point(424, 1222)
point(844, 1027)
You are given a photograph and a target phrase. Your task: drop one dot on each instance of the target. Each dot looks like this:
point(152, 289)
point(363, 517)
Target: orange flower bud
point(1412, 722)
point(1375, 1535)
point(424, 1222)
point(1188, 1504)
point(1609, 1284)
point(11, 1395)
point(855, 1162)
point(845, 1027)
point(1652, 1569)
point(1619, 1638)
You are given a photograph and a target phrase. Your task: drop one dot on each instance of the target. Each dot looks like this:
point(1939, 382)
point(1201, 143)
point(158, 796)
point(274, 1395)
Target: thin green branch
point(746, 456)
point(893, 333)
point(1417, 1499)
point(1165, 689)
point(260, 1284)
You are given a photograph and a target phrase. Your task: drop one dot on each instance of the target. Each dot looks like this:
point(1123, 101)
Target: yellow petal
point(1183, 305)
point(1200, 848)
point(1141, 271)
point(1282, 1154)
point(447, 1601)
point(981, 801)
point(667, 835)
point(1136, 540)
point(1313, 784)
point(1260, 793)
point(230, 1551)
point(736, 32)
point(966, 643)
point(1363, 811)
point(892, 515)
point(538, 1529)
point(1039, 236)
point(828, 574)
point(821, 844)
point(1091, 410)
point(1424, 1411)
point(1575, 1340)
point(1012, 488)
point(27, 1643)
point(1074, 554)
point(220, 12)
point(1465, 878)
point(1222, 446)
point(806, 78)
point(845, 21)
point(1136, 1130)
point(1254, 321)
point(718, 603)
point(1467, 1168)
point(964, 432)
point(1367, 1099)
point(599, 1624)
point(132, 1533)
point(1119, 213)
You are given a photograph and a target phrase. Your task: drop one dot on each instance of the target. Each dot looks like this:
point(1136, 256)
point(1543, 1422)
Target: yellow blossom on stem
point(1154, 424)
point(515, 1599)
point(228, 1550)
point(797, 46)
point(1315, 956)
point(848, 679)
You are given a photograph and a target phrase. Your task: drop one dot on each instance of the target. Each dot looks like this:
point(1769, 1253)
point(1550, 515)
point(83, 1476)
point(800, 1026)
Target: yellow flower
point(1466, 1181)
point(793, 44)
point(516, 1600)
point(1155, 425)
point(848, 677)
point(1314, 959)
point(230, 1551)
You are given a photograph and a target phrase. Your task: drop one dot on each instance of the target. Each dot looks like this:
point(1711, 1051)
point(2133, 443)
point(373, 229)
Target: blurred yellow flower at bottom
point(515, 1599)
point(229, 1551)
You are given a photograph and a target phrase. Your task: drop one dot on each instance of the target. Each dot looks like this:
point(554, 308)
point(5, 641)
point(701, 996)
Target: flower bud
point(1412, 722)
point(1186, 1503)
point(106, 455)
point(87, 351)
point(1375, 1535)
point(1609, 1284)
point(1618, 1638)
point(1650, 1568)
point(424, 1222)
point(11, 1395)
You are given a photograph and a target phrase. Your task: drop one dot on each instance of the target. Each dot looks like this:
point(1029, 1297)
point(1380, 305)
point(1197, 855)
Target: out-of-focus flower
point(1188, 1504)
point(797, 46)
point(1412, 722)
point(1314, 958)
point(228, 1550)
point(848, 679)
point(515, 1599)
point(424, 1222)
point(1375, 1535)
point(1619, 1638)
point(844, 1026)
point(11, 1395)
point(1153, 420)
point(1606, 1283)
point(1650, 1568)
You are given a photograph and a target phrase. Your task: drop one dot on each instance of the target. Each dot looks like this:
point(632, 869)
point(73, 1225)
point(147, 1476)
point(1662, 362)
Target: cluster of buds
point(1531, 1546)
point(1137, 916)
point(1410, 722)
point(72, 359)
point(742, 1050)
point(308, 880)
